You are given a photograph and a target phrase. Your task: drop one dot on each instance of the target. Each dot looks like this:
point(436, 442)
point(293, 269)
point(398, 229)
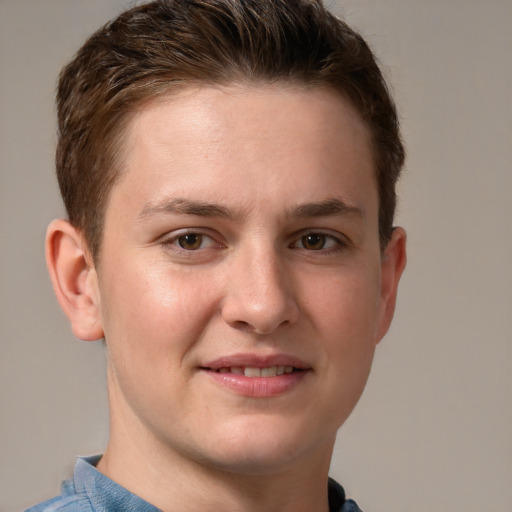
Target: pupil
point(313, 241)
point(190, 241)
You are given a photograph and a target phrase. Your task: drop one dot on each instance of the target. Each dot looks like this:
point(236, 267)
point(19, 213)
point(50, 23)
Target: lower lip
point(258, 387)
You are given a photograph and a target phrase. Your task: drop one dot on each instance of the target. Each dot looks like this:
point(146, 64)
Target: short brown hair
point(155, 47)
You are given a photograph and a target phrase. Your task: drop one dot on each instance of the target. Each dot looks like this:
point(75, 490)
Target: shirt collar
point(103, 493)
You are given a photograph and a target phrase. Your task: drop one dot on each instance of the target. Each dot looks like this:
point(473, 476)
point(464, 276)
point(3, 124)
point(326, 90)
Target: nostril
point(259, 329)
point(242, 325)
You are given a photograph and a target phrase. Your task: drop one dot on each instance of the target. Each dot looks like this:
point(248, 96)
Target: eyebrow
point(180, 206)
point(185, 207)
point(326, 208)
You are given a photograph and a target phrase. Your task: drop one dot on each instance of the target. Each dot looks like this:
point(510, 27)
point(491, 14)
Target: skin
point(275, 188)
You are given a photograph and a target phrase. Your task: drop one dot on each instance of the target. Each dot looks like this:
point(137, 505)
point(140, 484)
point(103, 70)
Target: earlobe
point(74, 279)
point(393, 264)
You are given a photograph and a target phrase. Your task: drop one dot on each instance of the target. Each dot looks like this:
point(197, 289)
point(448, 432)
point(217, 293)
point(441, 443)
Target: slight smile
point(255, 376)
point(251, 371)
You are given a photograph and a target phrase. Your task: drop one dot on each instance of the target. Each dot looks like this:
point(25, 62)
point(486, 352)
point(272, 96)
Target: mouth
point(252, 371)
point(255, 376)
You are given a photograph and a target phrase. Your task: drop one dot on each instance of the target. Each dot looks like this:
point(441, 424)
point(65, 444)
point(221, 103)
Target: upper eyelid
point(339, 242)
point(340, 237)
point(176, 233)
point(172, 236)
point(171, 239)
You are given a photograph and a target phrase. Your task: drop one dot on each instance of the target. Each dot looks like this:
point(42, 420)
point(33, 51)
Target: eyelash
point(335, 244)
point(174, 241)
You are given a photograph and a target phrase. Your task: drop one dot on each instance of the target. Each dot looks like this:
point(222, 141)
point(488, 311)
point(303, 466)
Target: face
point(240, 285)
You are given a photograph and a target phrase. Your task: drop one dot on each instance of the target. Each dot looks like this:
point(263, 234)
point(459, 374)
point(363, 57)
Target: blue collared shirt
point(92, 491)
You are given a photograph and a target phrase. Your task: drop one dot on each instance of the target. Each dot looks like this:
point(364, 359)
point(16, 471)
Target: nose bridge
point(260, 295)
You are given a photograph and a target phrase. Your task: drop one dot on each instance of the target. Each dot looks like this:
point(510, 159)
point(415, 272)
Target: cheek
point(346, 304)
point(153, 320)
point(154, 315)
point(347, 326)
point(346, 320)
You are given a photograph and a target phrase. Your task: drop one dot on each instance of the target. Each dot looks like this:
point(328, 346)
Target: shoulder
point(337, 499)
point(63, 504)
point(68, 501)
point(350, 506)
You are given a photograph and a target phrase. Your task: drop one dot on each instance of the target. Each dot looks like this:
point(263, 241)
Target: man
point(228, 168)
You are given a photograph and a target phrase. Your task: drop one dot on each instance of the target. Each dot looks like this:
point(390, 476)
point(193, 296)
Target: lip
point(257, 387)
point(256, 361)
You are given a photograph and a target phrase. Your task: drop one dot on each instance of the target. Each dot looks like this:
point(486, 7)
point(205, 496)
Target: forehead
point(272, 105)
point(246, 142)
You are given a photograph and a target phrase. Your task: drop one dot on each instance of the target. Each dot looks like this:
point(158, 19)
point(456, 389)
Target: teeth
point(252, 372)
point(271, 371)
point(248, 371)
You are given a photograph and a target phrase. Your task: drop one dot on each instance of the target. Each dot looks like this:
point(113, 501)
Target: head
point(229, 171)
point(165, 46)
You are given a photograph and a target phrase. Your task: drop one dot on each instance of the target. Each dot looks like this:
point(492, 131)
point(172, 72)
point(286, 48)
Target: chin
point(262, 445)
point(252, 460)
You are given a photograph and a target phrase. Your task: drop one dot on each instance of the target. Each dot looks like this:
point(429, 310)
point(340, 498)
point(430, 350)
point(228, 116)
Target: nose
point(259, 295)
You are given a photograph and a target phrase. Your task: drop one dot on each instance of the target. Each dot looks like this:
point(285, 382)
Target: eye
point(313, 241)
point(190, 241)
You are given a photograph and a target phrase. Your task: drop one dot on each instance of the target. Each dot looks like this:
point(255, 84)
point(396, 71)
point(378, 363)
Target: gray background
point(433, 430)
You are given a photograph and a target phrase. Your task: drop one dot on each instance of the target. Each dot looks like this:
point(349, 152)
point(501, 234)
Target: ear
point(393, 262)
point(74, 279)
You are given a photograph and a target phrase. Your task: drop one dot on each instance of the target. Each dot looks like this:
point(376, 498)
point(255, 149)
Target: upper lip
point(256, 361)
